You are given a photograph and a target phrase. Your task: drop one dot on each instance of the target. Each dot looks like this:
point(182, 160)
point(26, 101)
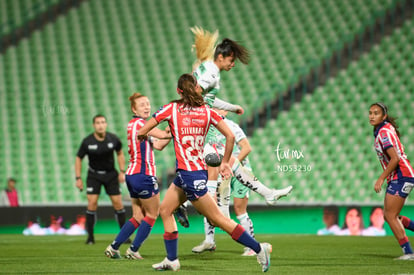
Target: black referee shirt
point(100, 153)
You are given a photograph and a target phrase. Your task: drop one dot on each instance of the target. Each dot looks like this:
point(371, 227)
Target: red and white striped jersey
point(189, 127)
point(141, 154)
point(386, 137)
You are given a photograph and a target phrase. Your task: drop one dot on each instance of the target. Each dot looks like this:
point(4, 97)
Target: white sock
point(246, 223)
point(223, 197)
point(209, 231)
point(212, 187)
point(246, 177)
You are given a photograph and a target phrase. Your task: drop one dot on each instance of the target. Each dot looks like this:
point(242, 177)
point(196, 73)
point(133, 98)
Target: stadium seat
point(91, 59)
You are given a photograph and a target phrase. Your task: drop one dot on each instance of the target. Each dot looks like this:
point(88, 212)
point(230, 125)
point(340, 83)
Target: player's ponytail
point(228, 47)
point(204, 45)
point(186, 87)
point(389, 118)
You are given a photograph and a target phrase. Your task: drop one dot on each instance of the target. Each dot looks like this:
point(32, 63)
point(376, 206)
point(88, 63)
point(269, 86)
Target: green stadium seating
point(344, 164)
point(91, 59)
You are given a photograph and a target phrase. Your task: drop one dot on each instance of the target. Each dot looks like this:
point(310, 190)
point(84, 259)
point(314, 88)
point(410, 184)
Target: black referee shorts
point(95, 181)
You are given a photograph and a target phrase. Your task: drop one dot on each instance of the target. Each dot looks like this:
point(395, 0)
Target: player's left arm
point(245, 149)
point(224, 105)
point(392, 165)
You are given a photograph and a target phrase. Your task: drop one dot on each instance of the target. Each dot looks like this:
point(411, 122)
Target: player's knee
point(152, 214)
point(165, 212)
point(92, 206)
point(390, 216)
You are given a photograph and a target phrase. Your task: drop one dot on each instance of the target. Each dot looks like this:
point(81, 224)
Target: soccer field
point(292, 254)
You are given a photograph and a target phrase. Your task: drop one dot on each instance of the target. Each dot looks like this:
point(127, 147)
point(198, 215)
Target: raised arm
point(149, 125)
point(223, 105)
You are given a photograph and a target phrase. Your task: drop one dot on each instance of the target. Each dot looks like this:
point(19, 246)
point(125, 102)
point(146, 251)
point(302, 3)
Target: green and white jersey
point(208, 77)
point(239, 135)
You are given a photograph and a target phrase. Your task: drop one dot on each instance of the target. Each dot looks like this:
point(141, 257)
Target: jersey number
point(193, 144)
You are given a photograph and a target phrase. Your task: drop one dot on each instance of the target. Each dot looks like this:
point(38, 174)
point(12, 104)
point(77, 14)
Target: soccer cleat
point(277, 194)
point(204, 246)
point(248, 252)
point(129, 254)
point(406, 257)
point(181, 215)
point(167, 265)
point(112, 253)
point(263, 257)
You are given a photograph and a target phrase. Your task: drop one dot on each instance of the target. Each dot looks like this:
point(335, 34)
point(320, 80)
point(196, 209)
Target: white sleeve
point(238, 132)
point(223, 105)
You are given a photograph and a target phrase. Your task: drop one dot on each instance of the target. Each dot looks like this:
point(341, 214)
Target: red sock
point(403, 240)
point(134, 222)
point(149, 220)
point(237, 232)
point(405, 221)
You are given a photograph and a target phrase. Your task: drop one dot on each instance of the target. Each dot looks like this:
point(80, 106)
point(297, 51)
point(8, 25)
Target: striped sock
point(241, 236)
point(143, 232)
point(405, 245)
point(171, 245)
point(408, 224)
point(127, 230)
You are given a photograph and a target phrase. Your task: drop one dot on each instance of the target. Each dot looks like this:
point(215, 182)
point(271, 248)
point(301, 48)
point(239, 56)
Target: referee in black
point(100, 147)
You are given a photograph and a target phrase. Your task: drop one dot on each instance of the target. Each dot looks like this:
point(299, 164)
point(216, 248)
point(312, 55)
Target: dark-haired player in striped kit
point(189, 119)
point(398, 172)
point(100, 147)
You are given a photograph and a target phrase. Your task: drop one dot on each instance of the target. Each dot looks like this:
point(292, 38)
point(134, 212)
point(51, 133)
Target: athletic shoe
point(248, 252)
point(264, 256)
point(181, 215)
point(112, 253)
point(406, 257)
point(167, 265)
point(277, 194)
point(90, 240)
point(132, 255)
point(204, 246)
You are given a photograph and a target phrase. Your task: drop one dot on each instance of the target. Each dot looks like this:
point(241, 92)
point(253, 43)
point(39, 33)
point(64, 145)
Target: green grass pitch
point(292, 254)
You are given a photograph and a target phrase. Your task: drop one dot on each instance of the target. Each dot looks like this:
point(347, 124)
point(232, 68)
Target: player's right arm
point(160, 134)
point(144, 130)
point(245, 149)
